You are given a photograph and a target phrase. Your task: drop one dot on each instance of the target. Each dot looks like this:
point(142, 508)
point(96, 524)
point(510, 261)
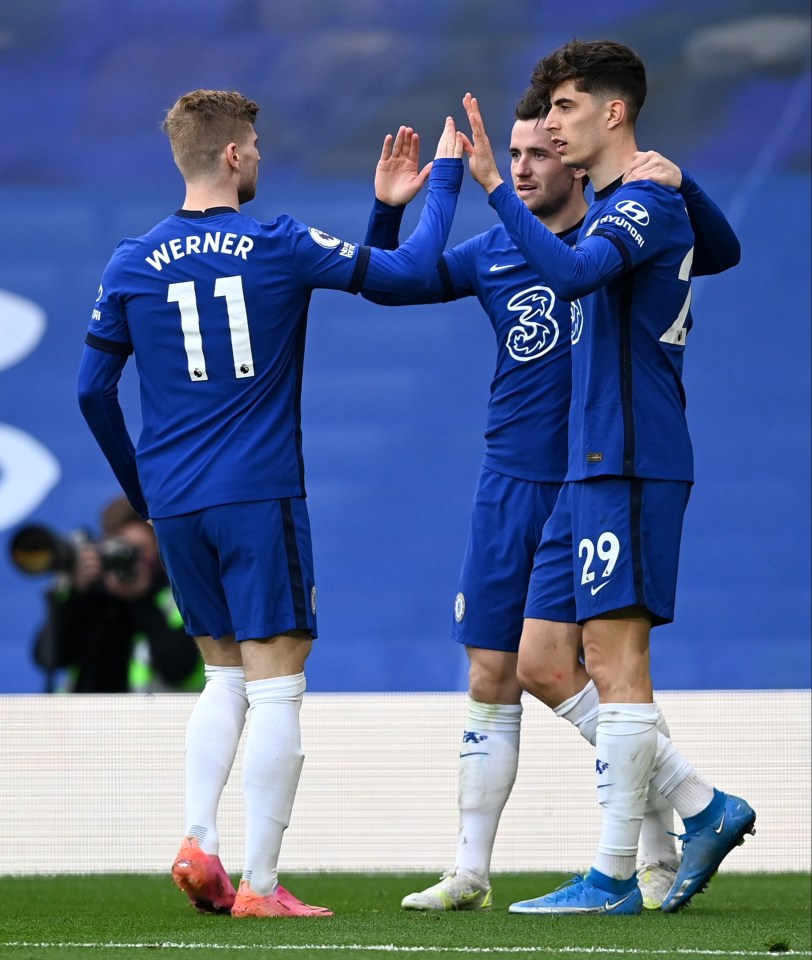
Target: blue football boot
point(594, 893)
point(708, 839)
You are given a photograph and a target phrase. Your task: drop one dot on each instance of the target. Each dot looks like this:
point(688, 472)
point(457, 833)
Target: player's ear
point(579, 173)
point(232, 155)
point(616, 113)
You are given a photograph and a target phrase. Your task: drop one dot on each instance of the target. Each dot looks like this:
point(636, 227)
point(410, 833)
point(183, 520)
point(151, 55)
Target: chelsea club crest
point(459, 607)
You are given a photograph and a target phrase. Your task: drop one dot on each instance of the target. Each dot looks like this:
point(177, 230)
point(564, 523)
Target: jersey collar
point(608, 190)
point(199, 214)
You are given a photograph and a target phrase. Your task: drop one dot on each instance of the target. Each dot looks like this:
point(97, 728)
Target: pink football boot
point(280, 903)
point(202, 878)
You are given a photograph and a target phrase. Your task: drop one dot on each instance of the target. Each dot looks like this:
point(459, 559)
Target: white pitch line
point(393, 948)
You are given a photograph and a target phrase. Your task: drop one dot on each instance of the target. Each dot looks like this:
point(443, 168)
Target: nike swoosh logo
point(721, 826)
point(468, 897)
point(496, 267)
point(602, 785)
point(600, 586)
point(613, 906)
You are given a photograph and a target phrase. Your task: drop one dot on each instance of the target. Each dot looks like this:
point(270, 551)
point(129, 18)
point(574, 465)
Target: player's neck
point(204, 196)
point(611, 163)
point(562, 221)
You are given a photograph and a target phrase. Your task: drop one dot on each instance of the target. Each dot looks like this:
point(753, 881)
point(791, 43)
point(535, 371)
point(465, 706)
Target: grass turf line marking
point(393, 948)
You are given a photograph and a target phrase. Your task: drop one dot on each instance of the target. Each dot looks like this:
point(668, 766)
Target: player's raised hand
point(451, 143)
point(398, 177)
point(481, 161)
point(650, 165)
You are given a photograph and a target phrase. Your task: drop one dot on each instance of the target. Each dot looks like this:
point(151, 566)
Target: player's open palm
point(398, 177)
point(481, 161)
point(452, 142)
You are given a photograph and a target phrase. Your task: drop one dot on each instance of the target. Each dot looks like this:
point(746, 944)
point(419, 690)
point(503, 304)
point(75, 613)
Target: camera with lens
point(36, 549)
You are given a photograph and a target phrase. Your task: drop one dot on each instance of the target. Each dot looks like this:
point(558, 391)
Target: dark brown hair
point(531, 106)
point(602, 68)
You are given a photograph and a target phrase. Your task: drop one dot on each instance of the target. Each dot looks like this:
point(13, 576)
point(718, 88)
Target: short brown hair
point(202, 123)
point(531, 106)
point(602, 68)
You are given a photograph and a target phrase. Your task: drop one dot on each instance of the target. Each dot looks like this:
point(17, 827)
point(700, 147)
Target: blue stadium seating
point(394, 402)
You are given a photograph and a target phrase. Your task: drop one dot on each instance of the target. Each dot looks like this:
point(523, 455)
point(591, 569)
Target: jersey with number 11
point(214, 306)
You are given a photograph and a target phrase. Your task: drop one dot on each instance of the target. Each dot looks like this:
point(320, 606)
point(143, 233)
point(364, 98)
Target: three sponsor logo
point(536, 332)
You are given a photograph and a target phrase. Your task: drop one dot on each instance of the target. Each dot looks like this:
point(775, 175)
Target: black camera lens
point(36, 549)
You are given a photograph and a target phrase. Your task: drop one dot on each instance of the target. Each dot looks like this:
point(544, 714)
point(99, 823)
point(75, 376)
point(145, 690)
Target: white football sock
point(271, 767)
point(626, 743)
point(674, 782)
point(656, 842)
point(677, 780)
point(489, 758)
point(212, 737)
point(581, 710)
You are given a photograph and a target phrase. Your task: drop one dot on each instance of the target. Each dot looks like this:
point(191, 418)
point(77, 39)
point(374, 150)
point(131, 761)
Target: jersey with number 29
point(631, 273)
point(627, 416)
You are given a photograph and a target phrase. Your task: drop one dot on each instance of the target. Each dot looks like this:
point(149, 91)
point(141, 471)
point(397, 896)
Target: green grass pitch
point(121, 917)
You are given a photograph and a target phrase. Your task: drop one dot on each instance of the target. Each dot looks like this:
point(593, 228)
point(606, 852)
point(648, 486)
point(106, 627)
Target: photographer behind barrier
point(111, 622)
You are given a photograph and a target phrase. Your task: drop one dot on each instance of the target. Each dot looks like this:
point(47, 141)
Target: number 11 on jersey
point(186, 298)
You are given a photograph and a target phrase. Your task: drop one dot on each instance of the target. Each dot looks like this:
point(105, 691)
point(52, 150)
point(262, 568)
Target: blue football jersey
point(526, 432)
point(214, 307)
point(631, 273)
point(218, 339)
